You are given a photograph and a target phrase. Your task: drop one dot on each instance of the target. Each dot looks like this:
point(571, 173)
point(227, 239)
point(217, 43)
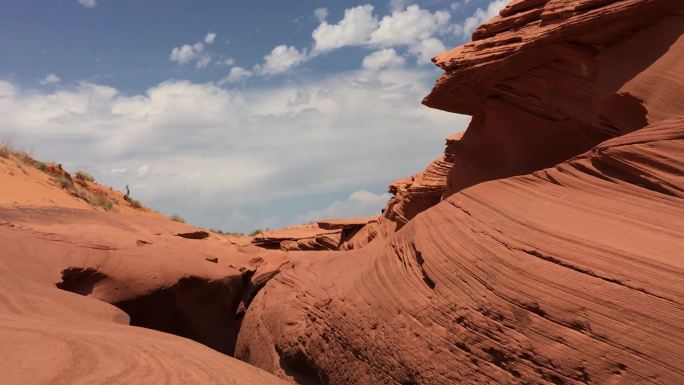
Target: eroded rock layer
point(61, 269)
point(567, 76)
point(569, 275)
point(333, 234)
point(553, 252)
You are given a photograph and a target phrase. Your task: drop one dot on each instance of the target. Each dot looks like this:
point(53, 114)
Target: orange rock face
point(64, 267)
point(545, 246)
point(548, 250)
point(334, 234)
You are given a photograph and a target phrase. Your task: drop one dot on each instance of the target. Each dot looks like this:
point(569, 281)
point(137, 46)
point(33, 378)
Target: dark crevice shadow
point(80, 280)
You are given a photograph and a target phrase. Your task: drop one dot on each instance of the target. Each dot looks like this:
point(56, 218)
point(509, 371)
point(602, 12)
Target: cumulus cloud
point(226, 62)
point(209, 150)
point(416, 30)
point(321, 14)
point(196, 52)
point(187, 53)
point(209, 38)
point(466, 28)
point(409, 26)
point(354, 29)
point(360, 203)
point(398, 5)
point(281, 59)
point(237, 74)
point(426, 49)
point(382, 59)
point(88, 3)
point(50, 79)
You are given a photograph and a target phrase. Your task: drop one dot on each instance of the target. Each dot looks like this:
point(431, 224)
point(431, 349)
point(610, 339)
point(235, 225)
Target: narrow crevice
point(299, 367)
point(80, 280)
point(426, 278)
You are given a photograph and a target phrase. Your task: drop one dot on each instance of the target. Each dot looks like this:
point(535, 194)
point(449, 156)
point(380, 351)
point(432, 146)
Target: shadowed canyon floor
point(545, 246)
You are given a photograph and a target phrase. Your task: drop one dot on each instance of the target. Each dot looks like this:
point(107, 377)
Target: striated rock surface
point(415, 194)
point(547, 252)
point(63, 267)
point(334, 234)
point(570, 275)
point(548, 80)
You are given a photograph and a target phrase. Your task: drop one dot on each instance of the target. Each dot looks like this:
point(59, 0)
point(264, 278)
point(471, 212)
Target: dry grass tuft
point(6, 149)
point(255, 232)
point(177, 218)
point(134, 203)
point(84, 176)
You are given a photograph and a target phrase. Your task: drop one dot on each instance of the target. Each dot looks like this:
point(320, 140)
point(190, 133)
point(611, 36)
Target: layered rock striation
point(547, 250)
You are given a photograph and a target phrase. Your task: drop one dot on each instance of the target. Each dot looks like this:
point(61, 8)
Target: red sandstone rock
point(62, 268)
point(544, 247)
point(553, 255)
point(571, 274)
point(334, 234)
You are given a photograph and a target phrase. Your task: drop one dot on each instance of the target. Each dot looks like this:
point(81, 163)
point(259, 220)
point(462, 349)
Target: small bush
point(6, 149)
point(255, 232)
point(134, 203)
point(23, 157)
point(65, 183)
point(81, 193)
point(40, 166)
point(84, 176)
point(101, 200)
point(177, 218)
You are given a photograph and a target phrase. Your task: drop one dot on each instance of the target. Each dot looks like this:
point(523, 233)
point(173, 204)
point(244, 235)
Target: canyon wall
point(545, 247)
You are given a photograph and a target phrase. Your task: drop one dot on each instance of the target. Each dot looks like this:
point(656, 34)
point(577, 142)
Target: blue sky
point(234, 114)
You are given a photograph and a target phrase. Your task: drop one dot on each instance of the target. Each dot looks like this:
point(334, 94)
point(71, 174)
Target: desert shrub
point(255, 232)
point(100, 200)
point(82, 175)
point(40, 166)
point(177, 218)
point(81, 193)
point(134, 203)
point(23, 157)
point(6, 149)
point(65, 183)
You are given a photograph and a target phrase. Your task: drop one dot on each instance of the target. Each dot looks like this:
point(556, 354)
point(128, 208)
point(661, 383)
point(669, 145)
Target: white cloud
point(143, 170)
point(194, 52)
point(50, 79)
point(426, 49)
point(360, 203)
point(203, 61)
point(280, 60)
point(186, 53)
point(466, 28)
point(88, 3)
point(118, 170)
point(354, 29)
point(212, 150)
point(409, 26)
point(209, 39)
point(226, 62)
point(237, 74)
point(382, 59)
point(398, 5)
point(321, 14)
